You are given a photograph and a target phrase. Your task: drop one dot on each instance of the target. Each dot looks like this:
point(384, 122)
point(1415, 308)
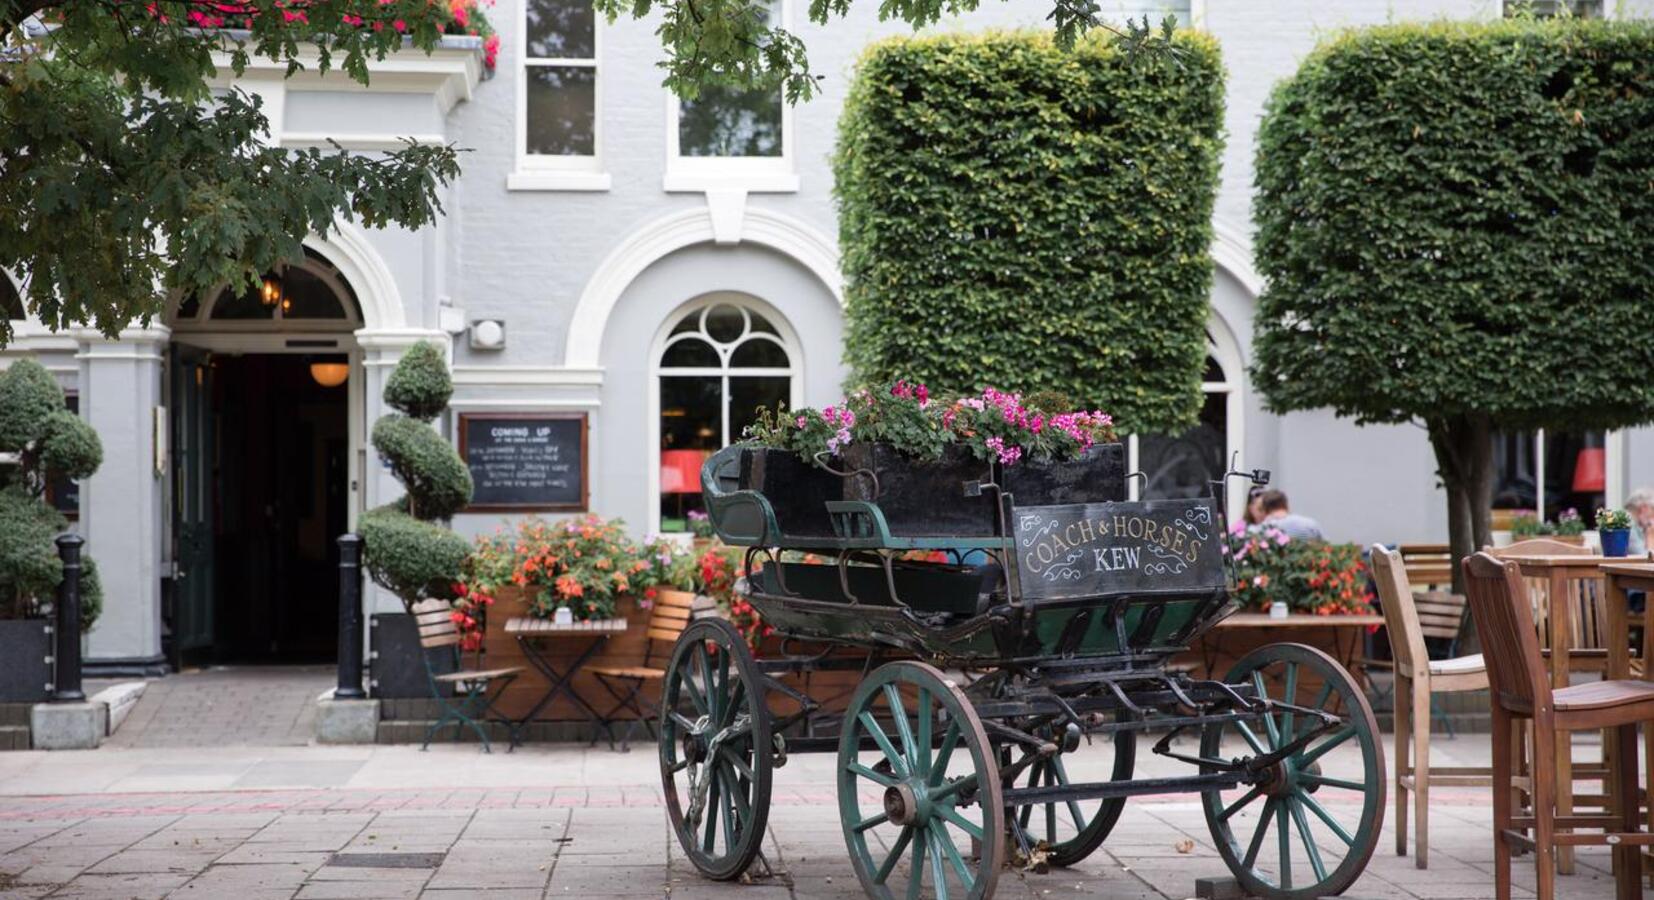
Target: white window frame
point(752, 174)
point(1613, 461)
point(794, 372)
point(546, 172)
point(1222, 347)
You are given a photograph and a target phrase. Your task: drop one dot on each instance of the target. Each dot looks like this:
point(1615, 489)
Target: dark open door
point(193, 454)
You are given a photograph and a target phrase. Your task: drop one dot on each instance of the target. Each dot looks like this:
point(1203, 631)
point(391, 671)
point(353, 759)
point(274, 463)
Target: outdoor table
point(1618, 578)
point(1347, 630)
point(1558, 572)
point(530, 632)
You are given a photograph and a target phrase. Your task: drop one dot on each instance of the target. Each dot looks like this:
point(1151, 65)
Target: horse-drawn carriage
point(1008, 669)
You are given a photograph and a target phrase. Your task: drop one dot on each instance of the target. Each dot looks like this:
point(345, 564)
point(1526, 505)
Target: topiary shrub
point(1455, 224)
point(406, 552)
point(48, 442)
point(1016, 214)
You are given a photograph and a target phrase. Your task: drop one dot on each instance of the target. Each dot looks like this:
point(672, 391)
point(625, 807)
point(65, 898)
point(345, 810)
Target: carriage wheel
point(715, 749)
point(1072, 830)
point(921, 806)
point(1325, 810)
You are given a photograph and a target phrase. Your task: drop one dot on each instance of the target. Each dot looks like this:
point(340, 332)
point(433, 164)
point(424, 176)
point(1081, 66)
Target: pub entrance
point(264, 388)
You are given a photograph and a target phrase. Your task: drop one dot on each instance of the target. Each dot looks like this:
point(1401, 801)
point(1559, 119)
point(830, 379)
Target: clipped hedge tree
point(47, 442)
point(1456, 223)
point(406, 549)
point(1017, 215)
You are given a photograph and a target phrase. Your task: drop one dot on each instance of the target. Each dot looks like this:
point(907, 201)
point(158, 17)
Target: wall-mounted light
point(488, 334)
point(330, 374)
point(269, 291)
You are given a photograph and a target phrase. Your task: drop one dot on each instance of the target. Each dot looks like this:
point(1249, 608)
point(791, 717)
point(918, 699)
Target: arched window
point(11, 305)
point(722, 359)
point(1184, 465)
point(311, 291)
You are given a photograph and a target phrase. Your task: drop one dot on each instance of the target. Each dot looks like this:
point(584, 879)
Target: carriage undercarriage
point(987, 730)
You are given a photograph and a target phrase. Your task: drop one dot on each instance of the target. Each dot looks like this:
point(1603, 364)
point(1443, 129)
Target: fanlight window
point(11, 305)
point(721, 362)
point(311, 291)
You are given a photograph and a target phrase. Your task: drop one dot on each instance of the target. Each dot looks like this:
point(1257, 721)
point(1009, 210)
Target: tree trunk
point(1464, 461)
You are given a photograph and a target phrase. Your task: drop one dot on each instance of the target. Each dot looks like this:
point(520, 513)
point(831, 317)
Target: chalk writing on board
point(525, 461)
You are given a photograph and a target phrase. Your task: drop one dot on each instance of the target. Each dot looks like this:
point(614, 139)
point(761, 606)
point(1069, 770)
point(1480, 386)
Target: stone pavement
point(557, 821)
point(238, 706)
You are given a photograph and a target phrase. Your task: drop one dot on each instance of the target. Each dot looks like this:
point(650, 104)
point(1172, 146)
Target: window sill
point(760, 183)
point(551, 180)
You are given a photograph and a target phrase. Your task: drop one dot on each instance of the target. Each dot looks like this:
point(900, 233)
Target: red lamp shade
point(680, 471)
point(1590, 470)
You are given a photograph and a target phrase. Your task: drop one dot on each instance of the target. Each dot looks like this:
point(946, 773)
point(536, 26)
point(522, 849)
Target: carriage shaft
point(1103, 790)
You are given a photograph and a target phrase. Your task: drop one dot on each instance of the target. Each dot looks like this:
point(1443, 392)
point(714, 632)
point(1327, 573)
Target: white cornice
point(533, 376)
point(449, 73)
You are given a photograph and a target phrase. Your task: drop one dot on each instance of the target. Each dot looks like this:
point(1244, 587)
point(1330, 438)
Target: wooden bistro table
point(1347, 633)
point(532, 634)
point(1618, 578)
point(1558, 573)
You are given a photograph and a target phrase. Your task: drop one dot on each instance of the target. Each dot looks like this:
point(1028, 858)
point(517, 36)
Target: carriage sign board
point(1083, 550)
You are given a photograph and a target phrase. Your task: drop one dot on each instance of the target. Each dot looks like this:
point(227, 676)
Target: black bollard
point(350, 619)
point(66, 682)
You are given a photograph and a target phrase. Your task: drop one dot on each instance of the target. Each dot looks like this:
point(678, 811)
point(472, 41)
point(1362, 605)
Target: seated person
point(1278, 514)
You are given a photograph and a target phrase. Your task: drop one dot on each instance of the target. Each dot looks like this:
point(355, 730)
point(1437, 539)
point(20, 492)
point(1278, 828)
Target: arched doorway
point(264, 386)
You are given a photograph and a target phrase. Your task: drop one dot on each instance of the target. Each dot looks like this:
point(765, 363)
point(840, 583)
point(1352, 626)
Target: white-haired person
point(1640, 504)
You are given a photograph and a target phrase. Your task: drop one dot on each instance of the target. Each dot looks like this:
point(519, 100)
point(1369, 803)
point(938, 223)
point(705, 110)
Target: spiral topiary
point(406, 551)
point(47, 441)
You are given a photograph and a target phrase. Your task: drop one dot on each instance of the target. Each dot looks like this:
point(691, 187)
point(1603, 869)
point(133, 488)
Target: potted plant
point(1614, 527)
point(1527, 524)
point(44, 441)
point(1309, 577)
point(1570, 527)
point(583, 565)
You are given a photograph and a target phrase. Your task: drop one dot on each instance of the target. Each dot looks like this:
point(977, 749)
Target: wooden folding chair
point(465, 696)
point(1410, 619)
point(1521, 692)
point(625, 683)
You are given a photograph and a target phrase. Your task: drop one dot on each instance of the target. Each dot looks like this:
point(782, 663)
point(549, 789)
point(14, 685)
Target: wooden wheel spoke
point(938, 870)
point(1073, 806)
point(732, 703)
point(695, 697)
point(1251, 738)
point(890, 861)
point(953, 787)
point(710, 839)
point(923, 710)
point(736, 762)
point(1313, 852)
point(950, 740)
point(706, 679)
point(917, 871)
point(945, 842)
point(878, 778)
point(678, 766)
point(1324, 781)
point(1230, 810)
point(1268, 718)
point(958, 821)
point(871, 822)
point(738, 793)
point(1284, 839)
point(682, 720)
point(1338, 737)
point(883, 740)
point(898, 715)
point(1252, 849)
point(1289, 693)
point(727, 809)
point(1326, 818)
point(1050, 808)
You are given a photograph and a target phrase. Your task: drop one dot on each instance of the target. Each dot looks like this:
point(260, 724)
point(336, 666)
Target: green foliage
point(69, 446)
point(1457, 219)
point(404, 550)
point(412, 559)
point(419, 386)
point(29, 566)
point(738, 43)
point(434, 475)
point(28, 397)
point(1037, 219)
point(123, 185)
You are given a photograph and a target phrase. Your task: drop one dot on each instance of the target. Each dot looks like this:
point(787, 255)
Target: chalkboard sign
point(1084, 550)
point(525, 461)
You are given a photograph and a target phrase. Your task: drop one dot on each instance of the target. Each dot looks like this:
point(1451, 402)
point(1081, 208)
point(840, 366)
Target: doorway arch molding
point(789, 236)
point(348, 249)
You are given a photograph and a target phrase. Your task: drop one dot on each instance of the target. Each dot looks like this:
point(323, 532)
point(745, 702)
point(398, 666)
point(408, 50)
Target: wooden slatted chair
point(1428, 566)
point(1410, 619)
point(464, 695)
point(1521, 692)
point(1587, 651)
point(625, 683)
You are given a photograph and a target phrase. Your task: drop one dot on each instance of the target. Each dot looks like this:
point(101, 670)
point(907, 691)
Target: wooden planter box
point(924, 499)
point(25, 660)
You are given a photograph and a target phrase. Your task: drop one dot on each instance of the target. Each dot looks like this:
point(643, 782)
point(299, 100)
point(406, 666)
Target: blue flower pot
point(1616, 542)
